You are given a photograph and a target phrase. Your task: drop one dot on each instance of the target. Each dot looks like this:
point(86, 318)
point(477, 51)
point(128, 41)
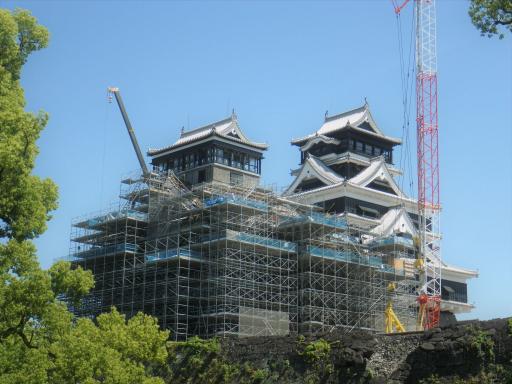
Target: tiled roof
point(351, 119)
point(377, 170)
point(227, 128)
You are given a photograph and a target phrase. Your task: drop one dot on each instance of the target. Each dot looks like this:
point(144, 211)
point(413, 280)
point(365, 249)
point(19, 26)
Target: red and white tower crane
point(429, 207)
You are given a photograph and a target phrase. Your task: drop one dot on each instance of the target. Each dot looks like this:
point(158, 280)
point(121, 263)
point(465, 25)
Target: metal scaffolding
point(219, 259)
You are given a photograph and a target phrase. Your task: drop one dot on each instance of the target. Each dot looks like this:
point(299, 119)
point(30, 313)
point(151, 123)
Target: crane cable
point(407, 80)
point(407, 85)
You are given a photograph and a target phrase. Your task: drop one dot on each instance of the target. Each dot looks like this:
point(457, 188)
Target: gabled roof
point(314, 168)
point(355, 117)
point(360, 185)
point(359, 119)
point(376, 171)
point(227, 128)
point(396, 220)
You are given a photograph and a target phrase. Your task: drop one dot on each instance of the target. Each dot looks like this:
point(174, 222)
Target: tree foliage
point(491, 16)
point(39, 340)
point(25, 199)
point(113, 351)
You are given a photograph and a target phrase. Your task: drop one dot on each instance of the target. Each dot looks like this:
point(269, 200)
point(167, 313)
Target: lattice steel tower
point(429, 207)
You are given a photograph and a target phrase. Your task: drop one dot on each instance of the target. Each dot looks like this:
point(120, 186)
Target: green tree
point(39, 340)
point(490, 16)
point(113, 351)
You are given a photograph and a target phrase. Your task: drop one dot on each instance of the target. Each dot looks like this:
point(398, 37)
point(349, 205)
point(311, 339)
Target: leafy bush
point(316, 350)
point(199, 360)
point(482, 343)
point(259, 375)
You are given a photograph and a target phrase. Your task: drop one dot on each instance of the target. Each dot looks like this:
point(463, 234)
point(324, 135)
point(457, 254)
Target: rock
point(349, 353)
point(440, 346)
point(437, 338)
point(427, 346)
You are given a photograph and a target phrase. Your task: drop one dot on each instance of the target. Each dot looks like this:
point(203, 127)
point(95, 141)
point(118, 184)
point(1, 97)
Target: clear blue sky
point(280, 65)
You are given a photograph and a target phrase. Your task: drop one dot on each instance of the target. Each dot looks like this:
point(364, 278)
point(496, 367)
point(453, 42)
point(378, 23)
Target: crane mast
point(429, 207)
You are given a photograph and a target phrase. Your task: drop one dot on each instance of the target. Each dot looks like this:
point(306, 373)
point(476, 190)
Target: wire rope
point(407, 83)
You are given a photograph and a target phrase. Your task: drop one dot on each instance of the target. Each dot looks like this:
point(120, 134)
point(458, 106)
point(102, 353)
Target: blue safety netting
point(348, 256)
point(172, 253)
point(108, 250)
point(253, 239)
point(115, 215)
point(317, 218)
point(393, 241)
point(345, 238)
point(333, 221)
point(233, 199)
point(265, 241)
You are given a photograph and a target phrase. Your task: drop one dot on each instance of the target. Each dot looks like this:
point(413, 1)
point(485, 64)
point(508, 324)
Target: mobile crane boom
point(115, 91)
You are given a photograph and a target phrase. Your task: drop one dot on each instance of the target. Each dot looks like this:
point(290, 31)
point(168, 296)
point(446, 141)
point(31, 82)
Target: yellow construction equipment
point(393, 324)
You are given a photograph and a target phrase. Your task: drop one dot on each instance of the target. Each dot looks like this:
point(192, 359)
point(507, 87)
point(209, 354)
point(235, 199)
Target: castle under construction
point(201, 245)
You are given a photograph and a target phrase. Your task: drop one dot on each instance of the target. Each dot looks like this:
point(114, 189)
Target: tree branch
point(19, 330)
point(13, 330)
point(26, 341)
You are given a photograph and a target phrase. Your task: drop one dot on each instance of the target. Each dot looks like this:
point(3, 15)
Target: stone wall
point(460, 351)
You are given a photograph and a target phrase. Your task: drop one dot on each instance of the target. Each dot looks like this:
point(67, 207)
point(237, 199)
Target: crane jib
point(130, 130)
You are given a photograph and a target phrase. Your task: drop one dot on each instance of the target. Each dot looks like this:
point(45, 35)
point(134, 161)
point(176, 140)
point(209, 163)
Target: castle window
point(368, 149)
point(387, 156)
point(359, 146)
point(237, 160)
point(219, 155)
point(227, 157)
point(253, 164)
point(201, 176)
point(454, 291)
point(368, 212)
point(245, 162)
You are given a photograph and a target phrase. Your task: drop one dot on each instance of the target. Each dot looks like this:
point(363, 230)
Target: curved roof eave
point(220, 128)
point(317, 139)
point(320, 171)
